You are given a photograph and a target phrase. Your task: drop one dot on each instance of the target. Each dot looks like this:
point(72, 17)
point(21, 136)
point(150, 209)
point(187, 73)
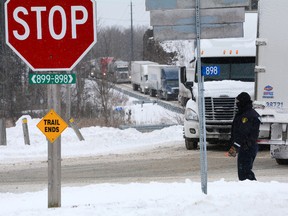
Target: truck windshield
point(122, 69)
point(241, 69)
point(173, 83)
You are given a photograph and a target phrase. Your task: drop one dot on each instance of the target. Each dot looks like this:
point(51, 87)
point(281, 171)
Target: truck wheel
point(185, 100)
point(166, 97)
point(182, 103)
point(191, 144)
point(152, 93)
point(134, 87)
point(282, 161)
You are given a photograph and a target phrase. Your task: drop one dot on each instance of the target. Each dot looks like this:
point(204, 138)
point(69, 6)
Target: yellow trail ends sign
point(52, 125)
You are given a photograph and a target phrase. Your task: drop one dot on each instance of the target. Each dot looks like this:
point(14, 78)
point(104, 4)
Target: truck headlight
point(191, 115)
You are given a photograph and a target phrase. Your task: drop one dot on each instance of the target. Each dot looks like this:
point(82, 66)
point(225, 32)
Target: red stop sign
point(51, 34)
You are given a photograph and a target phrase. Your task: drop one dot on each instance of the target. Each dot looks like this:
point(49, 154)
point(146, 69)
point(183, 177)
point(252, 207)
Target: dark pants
point(245, 162)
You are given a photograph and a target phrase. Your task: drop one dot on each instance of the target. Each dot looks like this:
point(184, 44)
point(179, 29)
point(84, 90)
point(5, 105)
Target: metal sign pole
point(54, 153)
point(201, 104)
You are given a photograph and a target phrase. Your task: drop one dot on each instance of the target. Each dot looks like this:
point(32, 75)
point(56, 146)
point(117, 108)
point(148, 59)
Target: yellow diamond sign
point(52, 125)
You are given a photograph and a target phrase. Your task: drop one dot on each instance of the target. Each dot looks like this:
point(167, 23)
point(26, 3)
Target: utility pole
point(132, 34)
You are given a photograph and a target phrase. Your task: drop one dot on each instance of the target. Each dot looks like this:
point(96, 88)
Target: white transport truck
point(236, 59)
point(139, 75)
point(271, 77)
point(163, 81)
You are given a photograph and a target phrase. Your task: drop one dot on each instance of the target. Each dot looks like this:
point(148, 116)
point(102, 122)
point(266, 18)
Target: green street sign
point(52, 78)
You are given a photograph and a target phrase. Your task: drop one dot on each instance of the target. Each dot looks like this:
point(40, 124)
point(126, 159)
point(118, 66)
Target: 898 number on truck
point(210, 70)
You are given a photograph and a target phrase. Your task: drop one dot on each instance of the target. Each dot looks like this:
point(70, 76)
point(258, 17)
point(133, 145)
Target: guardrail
point(145, 128)
point(145, 99)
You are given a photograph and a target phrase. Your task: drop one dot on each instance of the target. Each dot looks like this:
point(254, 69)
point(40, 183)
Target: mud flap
point(276, 132)
point(279, 135)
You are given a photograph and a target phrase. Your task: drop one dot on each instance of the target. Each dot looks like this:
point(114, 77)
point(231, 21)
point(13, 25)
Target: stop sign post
point(50, 35)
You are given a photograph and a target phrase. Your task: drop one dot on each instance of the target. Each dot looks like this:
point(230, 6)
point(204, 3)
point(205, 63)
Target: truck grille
point(175, 90)
point(220, 109)
point(123, 76)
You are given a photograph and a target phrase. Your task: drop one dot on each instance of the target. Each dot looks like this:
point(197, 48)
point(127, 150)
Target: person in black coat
point(244, 134)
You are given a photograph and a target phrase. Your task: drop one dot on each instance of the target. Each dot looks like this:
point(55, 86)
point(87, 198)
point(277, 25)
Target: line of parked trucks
point(155, 79)
point(255, 64)
point(145, 76)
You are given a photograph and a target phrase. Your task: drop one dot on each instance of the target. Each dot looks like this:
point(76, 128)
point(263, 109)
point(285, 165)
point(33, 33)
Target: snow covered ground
point(135, 199)
point(161, 199)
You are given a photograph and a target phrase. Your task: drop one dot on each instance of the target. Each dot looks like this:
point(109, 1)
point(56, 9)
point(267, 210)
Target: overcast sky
point(117, 12)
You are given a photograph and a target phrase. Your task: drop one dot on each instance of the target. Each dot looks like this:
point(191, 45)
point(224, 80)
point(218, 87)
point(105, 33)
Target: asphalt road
point(168, 164)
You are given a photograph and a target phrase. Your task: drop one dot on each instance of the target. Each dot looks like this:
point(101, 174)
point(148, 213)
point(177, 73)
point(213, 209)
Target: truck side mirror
point(189, 85)
point(183, 78)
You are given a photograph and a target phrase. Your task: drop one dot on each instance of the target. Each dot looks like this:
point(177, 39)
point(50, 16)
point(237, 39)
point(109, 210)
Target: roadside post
point(196, 20)
point(3, 139)
point(76, 129)
point(51, 36)
point(25, 131)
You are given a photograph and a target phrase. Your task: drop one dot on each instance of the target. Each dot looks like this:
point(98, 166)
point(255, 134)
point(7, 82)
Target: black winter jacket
point(245, 127)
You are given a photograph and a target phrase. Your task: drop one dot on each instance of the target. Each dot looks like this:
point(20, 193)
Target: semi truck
point(271, 100)
point(120, 71)
point(110, 68)
point(139, 75)
point(99, 67)
point(104, 63)
point(163, 81)
point(236, 59)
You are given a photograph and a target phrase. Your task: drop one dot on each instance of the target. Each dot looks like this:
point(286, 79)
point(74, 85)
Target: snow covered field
point(135, 199)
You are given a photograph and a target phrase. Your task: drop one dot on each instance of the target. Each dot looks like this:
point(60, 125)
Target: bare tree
point(106, 99)
point(78, 103)
point(10, 74)
point(116, 42)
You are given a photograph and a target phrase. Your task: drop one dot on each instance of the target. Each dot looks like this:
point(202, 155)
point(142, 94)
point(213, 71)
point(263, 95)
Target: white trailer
point(271, 72)
point(236, 59)
point(139, 75)
point(163, 81)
